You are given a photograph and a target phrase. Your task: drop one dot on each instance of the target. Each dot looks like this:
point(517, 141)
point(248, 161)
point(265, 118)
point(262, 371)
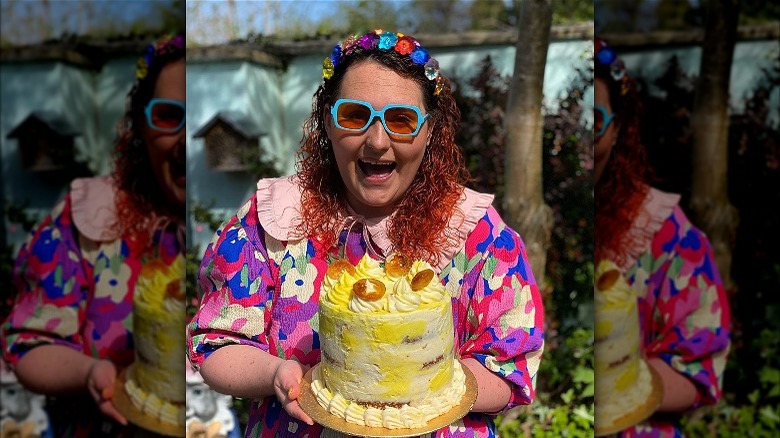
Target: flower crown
point(163, 46)
point(378, 40)
point(606, 56)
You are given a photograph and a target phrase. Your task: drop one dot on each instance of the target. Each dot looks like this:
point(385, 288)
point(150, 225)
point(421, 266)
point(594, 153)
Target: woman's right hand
point(100, 383)
point(287, 387)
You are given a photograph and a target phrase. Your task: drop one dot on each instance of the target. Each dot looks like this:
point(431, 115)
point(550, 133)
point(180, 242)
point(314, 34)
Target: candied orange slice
point(398, 264)
point(336, 268)
point(174, 290)
point(608, 279)
point(369, 289)
point(422, 279)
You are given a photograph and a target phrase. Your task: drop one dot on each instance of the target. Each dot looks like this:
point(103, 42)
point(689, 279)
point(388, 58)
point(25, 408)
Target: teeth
point(377, 164)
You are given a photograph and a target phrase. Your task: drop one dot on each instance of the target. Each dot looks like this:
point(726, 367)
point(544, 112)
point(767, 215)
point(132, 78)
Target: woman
point(378, 172)
point(683, 309)
point(70, 328)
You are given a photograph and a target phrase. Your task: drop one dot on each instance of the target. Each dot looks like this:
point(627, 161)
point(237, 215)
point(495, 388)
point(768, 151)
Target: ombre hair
point(139, 202)
point(626, 178)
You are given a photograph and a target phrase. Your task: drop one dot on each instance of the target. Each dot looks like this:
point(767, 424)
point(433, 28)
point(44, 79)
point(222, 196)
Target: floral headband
point(606, 56)
point(163, 46)
point(379, 40)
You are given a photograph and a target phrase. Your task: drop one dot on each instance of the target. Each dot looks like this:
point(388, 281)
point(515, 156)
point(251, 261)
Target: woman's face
point(377, 168)
point(167, 150)
point(604, 143)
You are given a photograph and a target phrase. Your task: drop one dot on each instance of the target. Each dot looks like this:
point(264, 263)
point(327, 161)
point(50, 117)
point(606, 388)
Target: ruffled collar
point(94, 210)
point(92, 204)
point(278, 210)
point(655, 210)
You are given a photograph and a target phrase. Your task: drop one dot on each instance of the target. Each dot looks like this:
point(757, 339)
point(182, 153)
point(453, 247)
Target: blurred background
point(663, 43)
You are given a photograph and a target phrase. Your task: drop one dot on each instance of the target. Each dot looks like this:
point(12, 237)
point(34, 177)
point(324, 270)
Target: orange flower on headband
point(405, 45)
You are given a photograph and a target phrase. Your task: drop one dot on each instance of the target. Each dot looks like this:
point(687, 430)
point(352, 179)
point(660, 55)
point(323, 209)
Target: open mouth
point(178, 170)
point(376, 169)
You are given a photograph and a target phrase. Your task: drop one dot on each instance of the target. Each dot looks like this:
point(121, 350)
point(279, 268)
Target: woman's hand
point(100, 383)
point(287, 387)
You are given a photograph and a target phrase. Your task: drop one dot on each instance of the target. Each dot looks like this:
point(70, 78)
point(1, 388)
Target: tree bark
point(524, 207)
point(709, 125)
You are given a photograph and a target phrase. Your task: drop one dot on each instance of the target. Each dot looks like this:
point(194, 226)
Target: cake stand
point(309, 404)
point(638, 414)
point(126, 407)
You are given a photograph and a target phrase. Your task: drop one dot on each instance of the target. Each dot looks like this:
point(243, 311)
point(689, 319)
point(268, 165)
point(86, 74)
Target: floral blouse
point(75, 279)
point(684, 314)
point(261, 288)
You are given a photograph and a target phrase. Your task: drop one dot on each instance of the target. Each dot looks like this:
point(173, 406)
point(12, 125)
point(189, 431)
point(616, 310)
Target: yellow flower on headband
point(327, 68)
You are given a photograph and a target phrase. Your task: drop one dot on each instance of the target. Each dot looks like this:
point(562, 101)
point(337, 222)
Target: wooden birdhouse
point(45, 141)
point(231, 142)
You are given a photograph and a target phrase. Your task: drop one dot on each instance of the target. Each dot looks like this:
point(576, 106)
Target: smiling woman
point(103, 245)
point(379, 177)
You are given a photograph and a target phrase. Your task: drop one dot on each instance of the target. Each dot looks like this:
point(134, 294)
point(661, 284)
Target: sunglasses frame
point(148, 112)
point(381, 114)
point(607, 119)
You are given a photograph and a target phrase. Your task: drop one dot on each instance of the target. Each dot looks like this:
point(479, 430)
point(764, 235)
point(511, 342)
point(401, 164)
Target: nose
point(376, 136)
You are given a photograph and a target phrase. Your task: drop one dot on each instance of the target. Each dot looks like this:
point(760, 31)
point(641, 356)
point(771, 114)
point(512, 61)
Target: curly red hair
point(139, 202)
point(625, 180)
point(420, 225)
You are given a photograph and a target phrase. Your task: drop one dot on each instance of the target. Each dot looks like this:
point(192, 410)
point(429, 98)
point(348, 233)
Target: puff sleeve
point(236, 286)
point(499, 316)
point(686, 306)
point(51, 279)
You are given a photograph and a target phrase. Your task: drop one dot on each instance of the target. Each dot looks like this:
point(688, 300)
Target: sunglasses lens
point(401, 120)
point(351, 115)
point(167, 115)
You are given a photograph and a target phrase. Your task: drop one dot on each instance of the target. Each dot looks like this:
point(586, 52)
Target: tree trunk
point(524, 207)
point(709, 124)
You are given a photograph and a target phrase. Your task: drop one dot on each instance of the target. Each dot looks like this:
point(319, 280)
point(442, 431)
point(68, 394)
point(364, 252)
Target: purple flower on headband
point(368, 41)
point(387, 40)
point(335, 57)
point(420, 55)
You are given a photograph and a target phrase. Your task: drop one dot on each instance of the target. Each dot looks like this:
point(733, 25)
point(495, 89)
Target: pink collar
point(278, 210)
point(656, 208)
point(94, 210)
point(92, 204)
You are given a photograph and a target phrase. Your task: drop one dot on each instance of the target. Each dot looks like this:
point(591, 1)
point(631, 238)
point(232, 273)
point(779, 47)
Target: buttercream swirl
point(340, 294)
point(407, 416)
point(359, 305)
point(369, 268)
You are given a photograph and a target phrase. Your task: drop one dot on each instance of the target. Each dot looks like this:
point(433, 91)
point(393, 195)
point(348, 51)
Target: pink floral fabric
point(78, 292)
point(683, 312)
point(260, 291)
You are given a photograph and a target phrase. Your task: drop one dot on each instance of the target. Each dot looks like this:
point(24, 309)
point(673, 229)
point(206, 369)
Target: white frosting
point(407, 416)
point(387, 362)
point(624, 381)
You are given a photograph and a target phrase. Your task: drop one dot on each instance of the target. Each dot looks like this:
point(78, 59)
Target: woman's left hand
point(287, 386)
point(100, 383)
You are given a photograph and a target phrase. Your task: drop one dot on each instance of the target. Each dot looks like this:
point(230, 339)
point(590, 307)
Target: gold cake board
point(640, 413)
point(309, 404)
point(125, 406)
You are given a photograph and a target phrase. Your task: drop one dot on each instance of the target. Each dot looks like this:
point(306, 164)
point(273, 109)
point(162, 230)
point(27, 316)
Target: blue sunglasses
point(601, 118)
point(165, 115)
point(398, 120)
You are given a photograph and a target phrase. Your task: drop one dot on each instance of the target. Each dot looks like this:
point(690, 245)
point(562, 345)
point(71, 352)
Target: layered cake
point(624, 383)
point(155, 382)
point(386, 338)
